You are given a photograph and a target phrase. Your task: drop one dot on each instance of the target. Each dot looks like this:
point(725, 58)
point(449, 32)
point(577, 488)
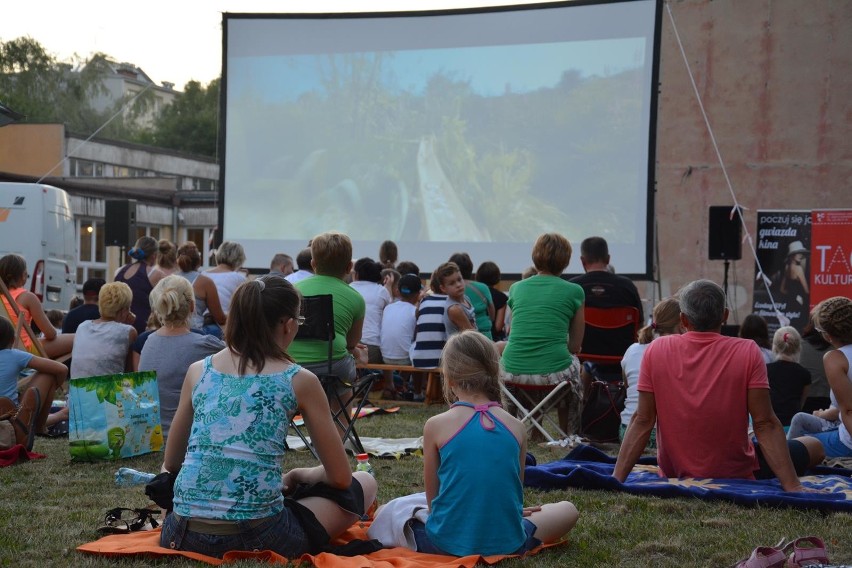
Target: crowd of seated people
point(384, 314)
point(718, 404)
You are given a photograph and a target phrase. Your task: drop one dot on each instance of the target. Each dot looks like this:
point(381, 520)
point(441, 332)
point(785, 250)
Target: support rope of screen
point(782, 319)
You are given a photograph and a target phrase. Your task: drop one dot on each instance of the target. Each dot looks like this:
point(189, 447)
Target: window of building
point(100, 245)
point(147, 231)
point(201, 237)
point(86, 242)
point(91, 252)
point(201, 184)
point(85, 168)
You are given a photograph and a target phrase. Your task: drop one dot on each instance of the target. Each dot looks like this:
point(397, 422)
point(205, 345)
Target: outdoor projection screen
point(473, 130)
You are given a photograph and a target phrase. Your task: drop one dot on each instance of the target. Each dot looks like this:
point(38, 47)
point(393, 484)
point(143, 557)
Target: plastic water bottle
point(126, 477)
point(364, 464)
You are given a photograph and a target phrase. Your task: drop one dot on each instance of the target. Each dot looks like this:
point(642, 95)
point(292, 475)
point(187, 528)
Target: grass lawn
point(50, 506)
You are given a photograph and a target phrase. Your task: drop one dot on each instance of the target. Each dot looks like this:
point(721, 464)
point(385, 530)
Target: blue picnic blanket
point(586, 467)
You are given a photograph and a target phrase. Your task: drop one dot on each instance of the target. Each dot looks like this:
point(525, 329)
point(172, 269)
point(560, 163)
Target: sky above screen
point(415, 129)
point(170, 41)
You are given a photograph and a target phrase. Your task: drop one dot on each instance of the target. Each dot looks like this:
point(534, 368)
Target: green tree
point(30, 78)
point(34, 83)
point(190, 123)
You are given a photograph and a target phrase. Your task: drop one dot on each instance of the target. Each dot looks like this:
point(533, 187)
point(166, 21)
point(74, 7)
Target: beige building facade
point(175, 193)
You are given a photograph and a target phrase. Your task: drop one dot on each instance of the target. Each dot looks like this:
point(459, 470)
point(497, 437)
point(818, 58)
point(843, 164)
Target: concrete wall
point(137, 156)
point(775, 78)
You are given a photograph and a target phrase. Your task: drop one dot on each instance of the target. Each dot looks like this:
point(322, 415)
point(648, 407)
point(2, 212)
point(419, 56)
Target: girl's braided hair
point(834, 316)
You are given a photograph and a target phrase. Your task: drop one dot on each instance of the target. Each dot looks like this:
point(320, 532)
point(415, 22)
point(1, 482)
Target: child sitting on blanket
point(788, 380)
point(227, 440)
point(473, 465)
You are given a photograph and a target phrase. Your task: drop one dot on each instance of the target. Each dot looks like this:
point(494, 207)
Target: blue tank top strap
point(208, 364)
point(486, 420)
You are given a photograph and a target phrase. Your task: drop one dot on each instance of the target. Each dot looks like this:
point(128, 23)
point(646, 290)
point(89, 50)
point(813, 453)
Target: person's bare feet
point(57, 417)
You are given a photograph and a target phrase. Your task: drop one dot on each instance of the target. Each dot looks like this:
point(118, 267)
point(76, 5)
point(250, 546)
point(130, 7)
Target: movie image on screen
point(455, 131)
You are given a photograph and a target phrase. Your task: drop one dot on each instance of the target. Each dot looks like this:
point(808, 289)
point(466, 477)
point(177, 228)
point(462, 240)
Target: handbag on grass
point(114, 416)
point(601, 417)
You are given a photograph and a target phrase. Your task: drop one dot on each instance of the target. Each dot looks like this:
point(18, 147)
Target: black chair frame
point(319, 326)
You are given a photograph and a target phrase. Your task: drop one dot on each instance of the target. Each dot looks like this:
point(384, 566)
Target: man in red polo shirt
point(700, 389)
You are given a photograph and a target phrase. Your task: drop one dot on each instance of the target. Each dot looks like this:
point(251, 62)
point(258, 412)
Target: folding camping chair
point(539, 412)
point(319, 326)
point(10, 310)
point(609, 332)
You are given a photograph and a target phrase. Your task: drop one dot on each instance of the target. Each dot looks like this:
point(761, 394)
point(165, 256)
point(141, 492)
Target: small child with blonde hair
point(788, 380)
point(473, 465)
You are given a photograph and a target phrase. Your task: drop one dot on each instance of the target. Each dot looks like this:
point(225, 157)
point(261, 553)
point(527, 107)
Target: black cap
point(410, 284)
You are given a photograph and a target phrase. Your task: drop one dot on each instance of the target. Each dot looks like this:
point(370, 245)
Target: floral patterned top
point(233, 465)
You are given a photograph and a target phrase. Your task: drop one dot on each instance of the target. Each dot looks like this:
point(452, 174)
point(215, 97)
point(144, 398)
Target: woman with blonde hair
point(173, 347)
point(102, 346)
point(666, 321)
point(214, 287)
point(474, 453)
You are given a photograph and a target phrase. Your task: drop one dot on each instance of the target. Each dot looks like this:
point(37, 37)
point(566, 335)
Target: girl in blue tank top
point(473, 465)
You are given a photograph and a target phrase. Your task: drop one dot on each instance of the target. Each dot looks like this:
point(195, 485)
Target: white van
point(37, 223)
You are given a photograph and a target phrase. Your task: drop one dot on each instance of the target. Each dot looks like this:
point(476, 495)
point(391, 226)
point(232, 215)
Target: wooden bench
point(434, 392)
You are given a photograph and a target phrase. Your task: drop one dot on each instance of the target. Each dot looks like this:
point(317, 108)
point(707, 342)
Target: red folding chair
point(609, 332)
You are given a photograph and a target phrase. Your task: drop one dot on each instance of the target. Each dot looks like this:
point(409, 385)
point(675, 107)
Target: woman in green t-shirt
point(547, 328)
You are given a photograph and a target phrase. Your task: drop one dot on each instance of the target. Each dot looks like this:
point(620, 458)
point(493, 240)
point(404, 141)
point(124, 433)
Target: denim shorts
point(281, 533)
point(798, 455)
point(830, 441)
point(425, 545)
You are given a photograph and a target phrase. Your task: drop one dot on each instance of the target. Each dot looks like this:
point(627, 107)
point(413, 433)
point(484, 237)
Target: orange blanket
point(148, 542)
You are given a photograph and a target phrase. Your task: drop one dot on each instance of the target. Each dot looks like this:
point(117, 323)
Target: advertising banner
point(782, 272)
point(831, 264)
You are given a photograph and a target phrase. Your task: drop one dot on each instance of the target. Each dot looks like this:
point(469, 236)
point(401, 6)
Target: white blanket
point(392, 522)
point(380, 447)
